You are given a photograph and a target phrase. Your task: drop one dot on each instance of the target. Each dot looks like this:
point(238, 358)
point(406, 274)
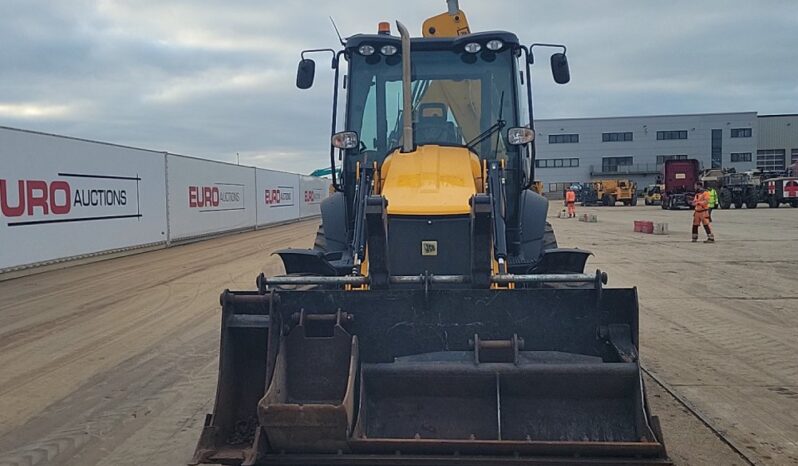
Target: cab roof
point(432, 43)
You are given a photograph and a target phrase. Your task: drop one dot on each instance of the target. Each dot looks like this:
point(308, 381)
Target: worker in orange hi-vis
point(701, 215)
point(570, 202)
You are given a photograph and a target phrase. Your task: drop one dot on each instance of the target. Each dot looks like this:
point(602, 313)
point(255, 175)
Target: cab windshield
point(456, 97)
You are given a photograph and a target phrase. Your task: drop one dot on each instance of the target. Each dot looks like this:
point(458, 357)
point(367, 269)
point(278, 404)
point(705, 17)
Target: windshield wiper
point(490, 131)
point(486, 134)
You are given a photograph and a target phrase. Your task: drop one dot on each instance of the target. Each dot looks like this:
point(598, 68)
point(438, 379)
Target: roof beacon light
point(494, 45)
point(384, 28)
point(473, 47)
point(389, 50)
point(366, 50)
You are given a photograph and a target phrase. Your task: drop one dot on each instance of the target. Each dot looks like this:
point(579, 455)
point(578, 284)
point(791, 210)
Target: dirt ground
point(719, 322)
point(114, 363)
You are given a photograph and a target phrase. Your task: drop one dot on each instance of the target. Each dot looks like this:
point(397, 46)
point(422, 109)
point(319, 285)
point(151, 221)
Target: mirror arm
point(531, 148)
point(542, 44)
point(334, 64)
point(337, 68)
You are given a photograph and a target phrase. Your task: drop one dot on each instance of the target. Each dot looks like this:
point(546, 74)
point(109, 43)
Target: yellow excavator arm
point(453, 23)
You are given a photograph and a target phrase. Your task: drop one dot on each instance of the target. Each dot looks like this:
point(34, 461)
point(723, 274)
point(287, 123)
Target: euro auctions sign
point(70, 198)
point(217, 197)
point(279, 196)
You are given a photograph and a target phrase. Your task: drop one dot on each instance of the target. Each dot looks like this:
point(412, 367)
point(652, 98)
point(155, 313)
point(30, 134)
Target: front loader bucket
point(309, 404)
point(449, 376)
point(229, 433)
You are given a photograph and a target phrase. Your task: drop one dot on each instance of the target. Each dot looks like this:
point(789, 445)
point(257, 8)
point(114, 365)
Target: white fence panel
point(63, 197)
point(278, 196)
point(314, 190)
point(207, 197)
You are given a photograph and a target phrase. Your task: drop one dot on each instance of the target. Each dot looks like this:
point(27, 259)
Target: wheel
point(773, 202)
point(751, 203)
point(549, 238)
point(645, 201)
point(633, 201)
point(794, 204)
point(738, 204)
point(725, 199)
point(320, 244)
point(612, 200)
point(605, 200)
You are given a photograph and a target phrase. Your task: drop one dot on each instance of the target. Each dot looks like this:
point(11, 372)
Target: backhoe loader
point(435, 321)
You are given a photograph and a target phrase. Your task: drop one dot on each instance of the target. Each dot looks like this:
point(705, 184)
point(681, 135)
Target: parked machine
point(435, 321)
point(680, 178)
point(652, 194)
point(611, 191)
point(780, 190)
point(587, 195)
point(738, 189)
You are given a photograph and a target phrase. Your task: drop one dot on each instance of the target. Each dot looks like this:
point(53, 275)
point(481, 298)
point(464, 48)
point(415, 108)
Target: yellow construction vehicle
point(611, 191)
point(652, 194)
point(435, 320)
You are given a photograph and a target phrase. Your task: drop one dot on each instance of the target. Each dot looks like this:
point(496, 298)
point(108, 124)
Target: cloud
point(211, 78)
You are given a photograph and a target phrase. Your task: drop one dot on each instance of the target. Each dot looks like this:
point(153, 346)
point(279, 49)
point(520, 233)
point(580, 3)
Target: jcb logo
point(429, 248)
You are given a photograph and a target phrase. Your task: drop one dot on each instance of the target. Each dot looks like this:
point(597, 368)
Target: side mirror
point(305, 73)
point(559, 68)
point(345, 140)
point(520, 136)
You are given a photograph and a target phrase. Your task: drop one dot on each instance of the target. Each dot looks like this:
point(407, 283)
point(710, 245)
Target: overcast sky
point(212, 78)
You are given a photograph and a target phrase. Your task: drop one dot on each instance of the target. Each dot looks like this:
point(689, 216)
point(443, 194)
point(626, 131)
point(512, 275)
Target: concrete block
point(660, 228)
point(589, 218)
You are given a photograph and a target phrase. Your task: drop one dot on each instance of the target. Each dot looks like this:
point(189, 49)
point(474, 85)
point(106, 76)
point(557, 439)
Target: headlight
point(389, 50)
point(494, 45)
point(520, 136)
point(346, 139)
point(472, 47)
point(366, 50)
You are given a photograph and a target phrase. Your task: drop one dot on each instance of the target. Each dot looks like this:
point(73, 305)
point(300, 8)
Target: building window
point(665, 135)
point(662, 158)
point(770, 160)
point(741, 132)
point(616, 137)
point(741, 157)
point(611, 164)
point(557, 163)
point(717, 148)
point(563, 138)
point(560, 187)
point(794, 156)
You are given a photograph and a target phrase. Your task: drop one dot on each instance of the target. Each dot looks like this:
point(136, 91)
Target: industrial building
point(583, 149)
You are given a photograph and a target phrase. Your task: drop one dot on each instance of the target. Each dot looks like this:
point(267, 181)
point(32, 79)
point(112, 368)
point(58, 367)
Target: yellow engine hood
point(432, 180)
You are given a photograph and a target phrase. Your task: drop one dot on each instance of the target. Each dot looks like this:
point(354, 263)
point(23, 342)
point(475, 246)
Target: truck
point(680, 178)
point(781, 190)
point(739, 189)
point(611, 191)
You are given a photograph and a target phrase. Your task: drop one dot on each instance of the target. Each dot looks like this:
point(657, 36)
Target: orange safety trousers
point(571, 208)
point(700, 217)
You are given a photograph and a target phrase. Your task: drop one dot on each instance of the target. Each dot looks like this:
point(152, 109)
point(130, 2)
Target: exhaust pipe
point(454, 7)
point(407, 101)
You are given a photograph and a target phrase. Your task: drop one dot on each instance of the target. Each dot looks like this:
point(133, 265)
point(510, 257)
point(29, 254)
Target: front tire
point(320, 243)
